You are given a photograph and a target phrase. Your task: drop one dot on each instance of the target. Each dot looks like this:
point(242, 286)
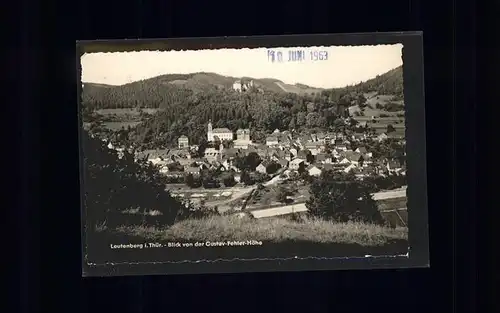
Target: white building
point(183, 142)
point(313, 170)
point(242, 86)
point(220, 133)
point(295, 164)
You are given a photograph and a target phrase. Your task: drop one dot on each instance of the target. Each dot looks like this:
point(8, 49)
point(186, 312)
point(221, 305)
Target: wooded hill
point(189, 101)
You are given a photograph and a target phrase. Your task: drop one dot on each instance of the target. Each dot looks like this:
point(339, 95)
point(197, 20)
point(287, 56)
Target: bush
point(342, 198)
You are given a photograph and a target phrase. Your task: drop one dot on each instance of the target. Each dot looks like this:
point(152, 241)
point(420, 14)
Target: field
point(270, 230)
point(119, 112)
point(380, 123)
point(119, 125)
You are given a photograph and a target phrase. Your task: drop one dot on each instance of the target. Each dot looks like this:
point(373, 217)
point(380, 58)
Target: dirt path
point(281, 86)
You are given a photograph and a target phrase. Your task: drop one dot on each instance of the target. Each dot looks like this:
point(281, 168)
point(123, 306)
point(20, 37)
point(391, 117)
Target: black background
point(49, 249)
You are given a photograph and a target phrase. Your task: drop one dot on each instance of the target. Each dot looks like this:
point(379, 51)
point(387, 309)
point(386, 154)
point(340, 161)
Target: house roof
point(272, 138)
point(183, 137)
point(393, 164)
point(353, 156)
point(328, 167)
point(362, 149)
point(283, 162)
point(310, 167)
point(193, 169)
point(221, 130)
point(313, 145)
point(305, 138)
point(230, 152)
point(265, 163)
point(296, 161)
point(322, 156)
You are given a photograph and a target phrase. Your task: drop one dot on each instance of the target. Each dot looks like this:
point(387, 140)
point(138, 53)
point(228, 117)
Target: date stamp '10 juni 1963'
point(296, 55)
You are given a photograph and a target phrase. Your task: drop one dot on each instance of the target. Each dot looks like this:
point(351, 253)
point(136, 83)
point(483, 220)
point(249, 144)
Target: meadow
point(118, 125)
point(275, 230)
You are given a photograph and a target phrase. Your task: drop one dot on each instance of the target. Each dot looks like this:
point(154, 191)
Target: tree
point(246, 179)
point(310, 158)
point(341, 197)
point(284, 192)
point(302, 169)
point(189, 179)
point(175, 167)
point(390, 128)
point(113, 185)
point(253, 160)
point(272, 168)
point(361, 101)
point(228, 179)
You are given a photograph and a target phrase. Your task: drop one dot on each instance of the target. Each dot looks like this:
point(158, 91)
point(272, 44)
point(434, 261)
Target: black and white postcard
point(240, 154)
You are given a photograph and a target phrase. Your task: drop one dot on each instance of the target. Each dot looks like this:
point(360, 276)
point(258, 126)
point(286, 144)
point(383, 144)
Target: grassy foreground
point(274, 230)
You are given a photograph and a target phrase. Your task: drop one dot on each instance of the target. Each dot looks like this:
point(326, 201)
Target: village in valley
point(254, 147)
point(233, 173)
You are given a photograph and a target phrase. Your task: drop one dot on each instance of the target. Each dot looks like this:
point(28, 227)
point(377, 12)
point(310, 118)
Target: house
point(293, 152)
point(302, 154)
point(355, 158)
point(361, 150)
point(227, 163)
point(283, 162)
point(305, 138)
point(313, 170)
point(323, 158)
point(295, 163)
point(174, 174)
point(328, 167)
point(243, 134)
point(193, 170)
point(272, 140)
point(393, 166)
point(242, 139)
point(345, 160)
point(366, 171)
point(230, 153)
point(314, 147)
point(342, 147)
point(262, 167)
point(382, 137)
point(212, 154)
point(349, 168)
point(183, 142)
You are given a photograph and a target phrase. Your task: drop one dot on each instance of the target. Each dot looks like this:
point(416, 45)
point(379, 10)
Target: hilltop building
point(183, 142)
point(240, 86)
point(218, 133)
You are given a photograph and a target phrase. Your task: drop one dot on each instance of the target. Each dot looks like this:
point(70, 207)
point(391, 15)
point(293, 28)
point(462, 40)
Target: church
point(219, 133)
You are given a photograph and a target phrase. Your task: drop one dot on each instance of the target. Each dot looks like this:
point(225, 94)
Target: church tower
point(210, 135)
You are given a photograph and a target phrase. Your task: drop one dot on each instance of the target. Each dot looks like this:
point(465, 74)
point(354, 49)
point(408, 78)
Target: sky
point(345, 65)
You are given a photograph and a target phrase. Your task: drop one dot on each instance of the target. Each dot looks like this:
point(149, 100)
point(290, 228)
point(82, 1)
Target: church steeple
point(209, 131)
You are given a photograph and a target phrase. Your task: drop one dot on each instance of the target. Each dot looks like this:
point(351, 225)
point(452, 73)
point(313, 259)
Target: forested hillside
point(190, 101)
point(390, 83)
